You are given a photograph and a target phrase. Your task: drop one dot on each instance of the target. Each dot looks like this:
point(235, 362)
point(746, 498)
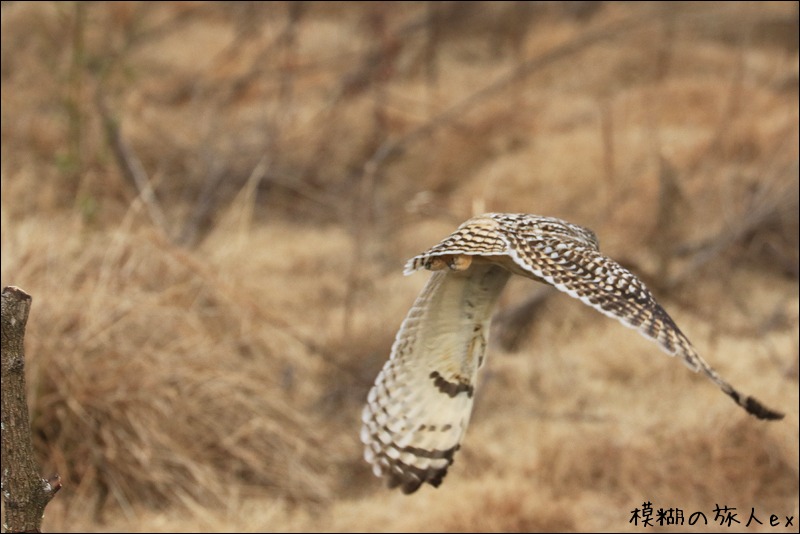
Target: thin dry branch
point(131, 165)
point(25, 493)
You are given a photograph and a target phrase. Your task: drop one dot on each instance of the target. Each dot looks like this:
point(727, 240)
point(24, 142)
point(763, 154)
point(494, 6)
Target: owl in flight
point(418, 410)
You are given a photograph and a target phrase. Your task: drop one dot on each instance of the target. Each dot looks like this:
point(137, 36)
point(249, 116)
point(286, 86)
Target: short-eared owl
point(420, 405)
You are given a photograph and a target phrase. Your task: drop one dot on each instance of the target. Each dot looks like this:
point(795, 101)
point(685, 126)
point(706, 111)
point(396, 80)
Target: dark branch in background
point(131, 165)
point(201, 221)
point(512, 325)
point(25, 492)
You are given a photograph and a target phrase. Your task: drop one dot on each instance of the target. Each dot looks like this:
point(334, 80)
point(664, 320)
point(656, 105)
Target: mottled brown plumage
point(419, 408)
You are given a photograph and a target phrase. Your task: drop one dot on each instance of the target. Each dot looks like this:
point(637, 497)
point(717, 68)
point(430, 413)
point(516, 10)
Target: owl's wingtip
point(755, 408)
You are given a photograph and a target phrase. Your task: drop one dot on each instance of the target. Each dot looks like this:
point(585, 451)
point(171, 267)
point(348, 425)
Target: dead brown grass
point(207, 372)
point(127, 405)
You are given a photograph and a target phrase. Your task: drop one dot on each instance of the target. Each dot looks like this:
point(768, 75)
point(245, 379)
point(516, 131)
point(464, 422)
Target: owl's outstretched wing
point(418, 410)
point(582, 272)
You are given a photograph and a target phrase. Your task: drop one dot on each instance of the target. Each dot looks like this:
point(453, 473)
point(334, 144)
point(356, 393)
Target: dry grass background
point(211, 203)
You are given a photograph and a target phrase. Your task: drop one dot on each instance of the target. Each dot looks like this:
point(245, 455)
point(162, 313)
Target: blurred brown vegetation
point(211, 203)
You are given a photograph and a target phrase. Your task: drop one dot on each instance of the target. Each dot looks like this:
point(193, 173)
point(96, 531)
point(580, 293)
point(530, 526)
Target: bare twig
point(131, 165)
point(25, 493)
point(201, 218)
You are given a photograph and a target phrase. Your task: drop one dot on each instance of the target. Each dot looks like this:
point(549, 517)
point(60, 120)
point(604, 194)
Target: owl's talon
point(460, 262)
point(454, 262)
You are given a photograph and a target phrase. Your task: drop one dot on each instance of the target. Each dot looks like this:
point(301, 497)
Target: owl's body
point(419, 408)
